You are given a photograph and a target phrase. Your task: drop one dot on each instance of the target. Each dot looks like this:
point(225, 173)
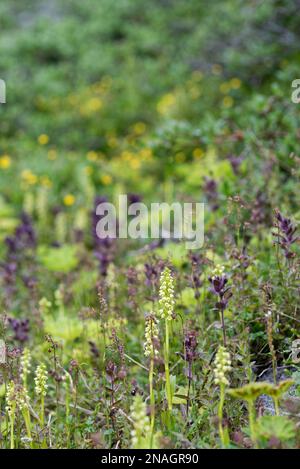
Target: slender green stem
point(42, 419)
point(220, 414)
point(251, 411)
point(167, 370)
point(223, 327)
point(42, 412)
point(26, 416)
point(12, 424)
point(152, 400)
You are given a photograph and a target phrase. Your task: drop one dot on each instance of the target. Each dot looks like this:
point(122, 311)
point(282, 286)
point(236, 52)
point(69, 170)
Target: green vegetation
point(175, 100)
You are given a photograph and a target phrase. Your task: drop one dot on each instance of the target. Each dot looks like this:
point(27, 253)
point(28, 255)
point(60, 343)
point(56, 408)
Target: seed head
point(25, 364)
point(166, 295)
point(222, 366)
point(22, 398)
point(40, 380)
point(10, 398)
point(151, 336)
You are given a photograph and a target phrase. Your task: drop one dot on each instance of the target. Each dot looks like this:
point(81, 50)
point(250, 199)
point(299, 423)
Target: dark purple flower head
point(210, 189)
point(286, 234)
point(190, 352)
point(133, 198)
point(235, 162)
point(20, 328)
point(104, 247)
point(25, 234)
point(196, 262)
point(23, 238)
point(153, 270)
point(190, 346)
point(132, 285)
point(111, 371)
point(94, 349)
point(260, 210)
point(218, 283)
point(220, 288)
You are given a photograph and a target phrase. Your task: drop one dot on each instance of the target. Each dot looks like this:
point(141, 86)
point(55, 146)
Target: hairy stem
point(167, 370)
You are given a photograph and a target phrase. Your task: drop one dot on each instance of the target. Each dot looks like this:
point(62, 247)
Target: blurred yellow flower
point(43, 139)
point(5, 162)
point(91, 156)
point(146, 153)
point(198, 153)
point(139, 128)
point(165, 103)
point(94, 104)
point(29, 177)
point(127, 155)
point(235, 83)
point(106, 179)
point(135, 163)
point(228, 101)
point(69, 200)
point(224, 88)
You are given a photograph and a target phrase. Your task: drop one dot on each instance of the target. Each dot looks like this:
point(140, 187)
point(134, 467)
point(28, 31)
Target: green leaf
point(181, 396)
point(279, 427)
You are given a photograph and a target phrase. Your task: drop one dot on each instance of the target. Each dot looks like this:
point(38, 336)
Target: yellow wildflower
point(43, 139)
point(5, 162)
point(165, 103)
point(106, 179)
point(29, 177)
point(135, 163)
point(69, 200)
point(139, 128)
point(94, 105)
point(91, 156)
point(228, 101)
point(235, 83)
point(146, 153)
point(224, 88)
point(198, 153)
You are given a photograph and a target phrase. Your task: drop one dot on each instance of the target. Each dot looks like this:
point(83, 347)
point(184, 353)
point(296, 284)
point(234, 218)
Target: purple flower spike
point(286, 234)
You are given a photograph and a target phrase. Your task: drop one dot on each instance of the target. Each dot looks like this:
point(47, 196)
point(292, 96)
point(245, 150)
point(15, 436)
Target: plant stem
point(42, 411)
point(220, 413)
point(152, 400)
point(12, 422)
point(26, 417)
point(167, 370)
point(251, 411)
point(276, 404)
point(223, 327)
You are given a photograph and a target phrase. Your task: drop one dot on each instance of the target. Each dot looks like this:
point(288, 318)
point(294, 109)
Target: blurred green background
point(108, 97)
